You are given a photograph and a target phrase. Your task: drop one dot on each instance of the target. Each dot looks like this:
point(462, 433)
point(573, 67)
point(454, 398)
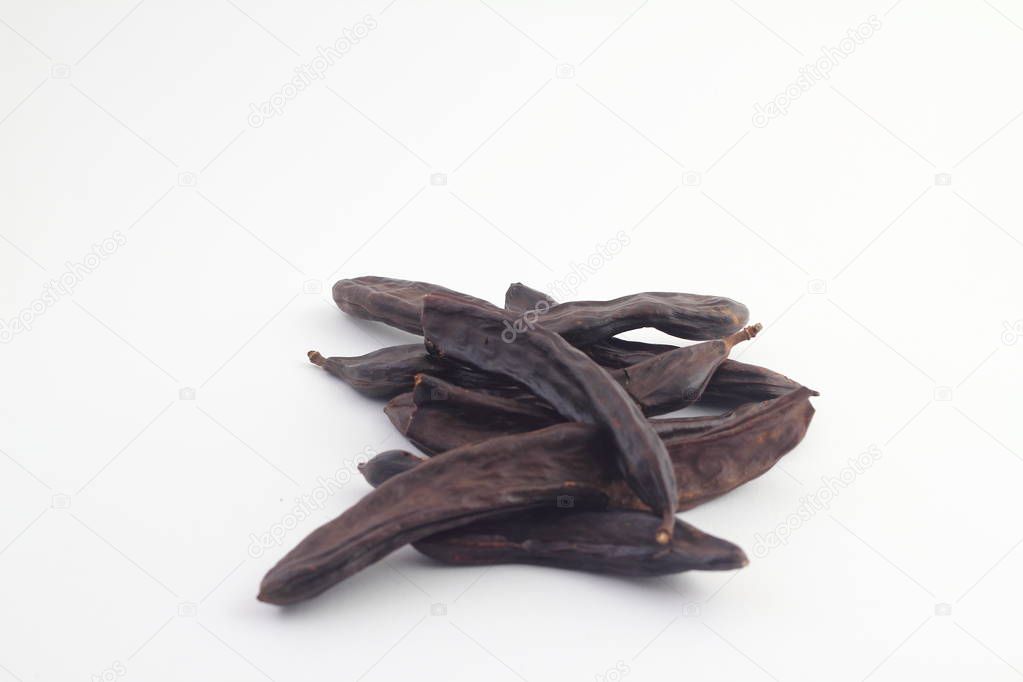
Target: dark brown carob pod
point(710, 455)
point(509, 474)
point(733, 383)
point(563, 376)
point(613, 542)
point(610, 542)
point(438, 416)
point(526, 471)
point(678, 378)
point(395, 302)
point(391, 371)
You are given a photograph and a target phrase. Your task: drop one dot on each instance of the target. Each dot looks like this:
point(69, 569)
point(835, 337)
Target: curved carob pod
point(569, 381)
point(710, 455)
point(734, 383)
point(608, 542)
point(612, 352)
point(678, 378)
point(612, 542)
point(509, 474)
point(397, 302)
point(438, 416)
point(525, 471)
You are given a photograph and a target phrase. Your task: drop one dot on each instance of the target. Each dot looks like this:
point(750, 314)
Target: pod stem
point(667, 529)
point(316, 358)
point(744, 334)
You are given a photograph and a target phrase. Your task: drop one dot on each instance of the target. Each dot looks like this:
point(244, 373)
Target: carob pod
point(569, 381)
point(710, 455)
point(513, 473)
point(610, 542)
point(613, 542)
point(437, 416)
point(391, 371)
point(612, 352)
point(734, 382)
point(397, 302)
point(525, 471)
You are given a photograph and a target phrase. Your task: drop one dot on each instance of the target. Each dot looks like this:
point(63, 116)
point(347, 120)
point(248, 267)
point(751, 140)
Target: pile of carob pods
point(538, 427)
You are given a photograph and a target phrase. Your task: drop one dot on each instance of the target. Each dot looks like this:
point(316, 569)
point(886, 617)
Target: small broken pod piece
point(566, 379)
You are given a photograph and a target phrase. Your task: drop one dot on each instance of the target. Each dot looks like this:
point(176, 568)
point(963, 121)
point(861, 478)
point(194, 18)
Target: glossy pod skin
point(527, 471)
point(566, 379)
point(397, 302)
point(612, 542)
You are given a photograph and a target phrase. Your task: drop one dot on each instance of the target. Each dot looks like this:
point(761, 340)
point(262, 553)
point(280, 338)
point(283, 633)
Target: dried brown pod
point(566, 379)
point(525, 471)
point(611, 541)
point(438, 416)
point(397, 302)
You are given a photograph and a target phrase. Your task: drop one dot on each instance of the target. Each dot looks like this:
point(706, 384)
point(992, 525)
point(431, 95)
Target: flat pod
point(566, 379)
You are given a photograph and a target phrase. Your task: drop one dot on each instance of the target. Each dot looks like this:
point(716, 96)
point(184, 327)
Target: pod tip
point(316, 358)
point(663, 537)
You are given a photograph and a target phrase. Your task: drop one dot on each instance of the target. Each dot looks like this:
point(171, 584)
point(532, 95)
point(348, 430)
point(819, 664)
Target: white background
point(127, 510)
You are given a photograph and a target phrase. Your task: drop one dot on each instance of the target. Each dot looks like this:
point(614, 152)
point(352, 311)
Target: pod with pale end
point(566, 379)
